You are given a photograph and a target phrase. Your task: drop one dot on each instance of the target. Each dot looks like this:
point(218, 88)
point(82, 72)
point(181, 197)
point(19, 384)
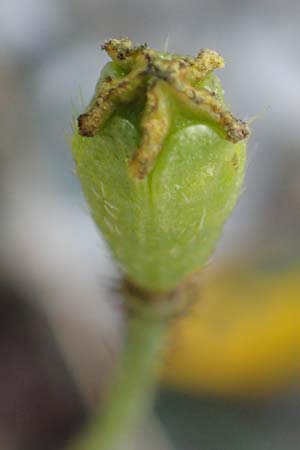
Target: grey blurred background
point(50, 60)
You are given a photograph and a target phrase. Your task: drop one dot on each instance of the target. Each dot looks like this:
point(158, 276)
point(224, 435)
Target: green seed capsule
point(161, 161)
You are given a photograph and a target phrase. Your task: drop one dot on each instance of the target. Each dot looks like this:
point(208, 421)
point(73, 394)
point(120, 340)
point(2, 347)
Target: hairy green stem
point(132, 392)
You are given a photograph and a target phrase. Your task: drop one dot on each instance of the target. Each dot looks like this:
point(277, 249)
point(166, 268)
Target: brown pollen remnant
point(83, 125)
point(235, 161)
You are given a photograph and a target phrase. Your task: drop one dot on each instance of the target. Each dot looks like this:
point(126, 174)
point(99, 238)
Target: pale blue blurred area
point(50, 60)
point(218, 424)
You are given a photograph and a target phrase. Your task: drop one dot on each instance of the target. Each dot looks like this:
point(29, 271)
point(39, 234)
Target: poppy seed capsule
point(161, 161)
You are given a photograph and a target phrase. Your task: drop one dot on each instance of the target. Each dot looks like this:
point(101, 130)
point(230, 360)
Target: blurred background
point(232, 372)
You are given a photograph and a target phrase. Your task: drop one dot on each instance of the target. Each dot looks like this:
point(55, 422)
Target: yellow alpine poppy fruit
point(161, 161)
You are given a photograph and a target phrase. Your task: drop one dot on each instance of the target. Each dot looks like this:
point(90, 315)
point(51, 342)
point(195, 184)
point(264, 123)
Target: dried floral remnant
point(152, 74)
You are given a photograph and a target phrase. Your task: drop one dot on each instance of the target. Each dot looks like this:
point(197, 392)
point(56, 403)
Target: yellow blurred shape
point(241, 337)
